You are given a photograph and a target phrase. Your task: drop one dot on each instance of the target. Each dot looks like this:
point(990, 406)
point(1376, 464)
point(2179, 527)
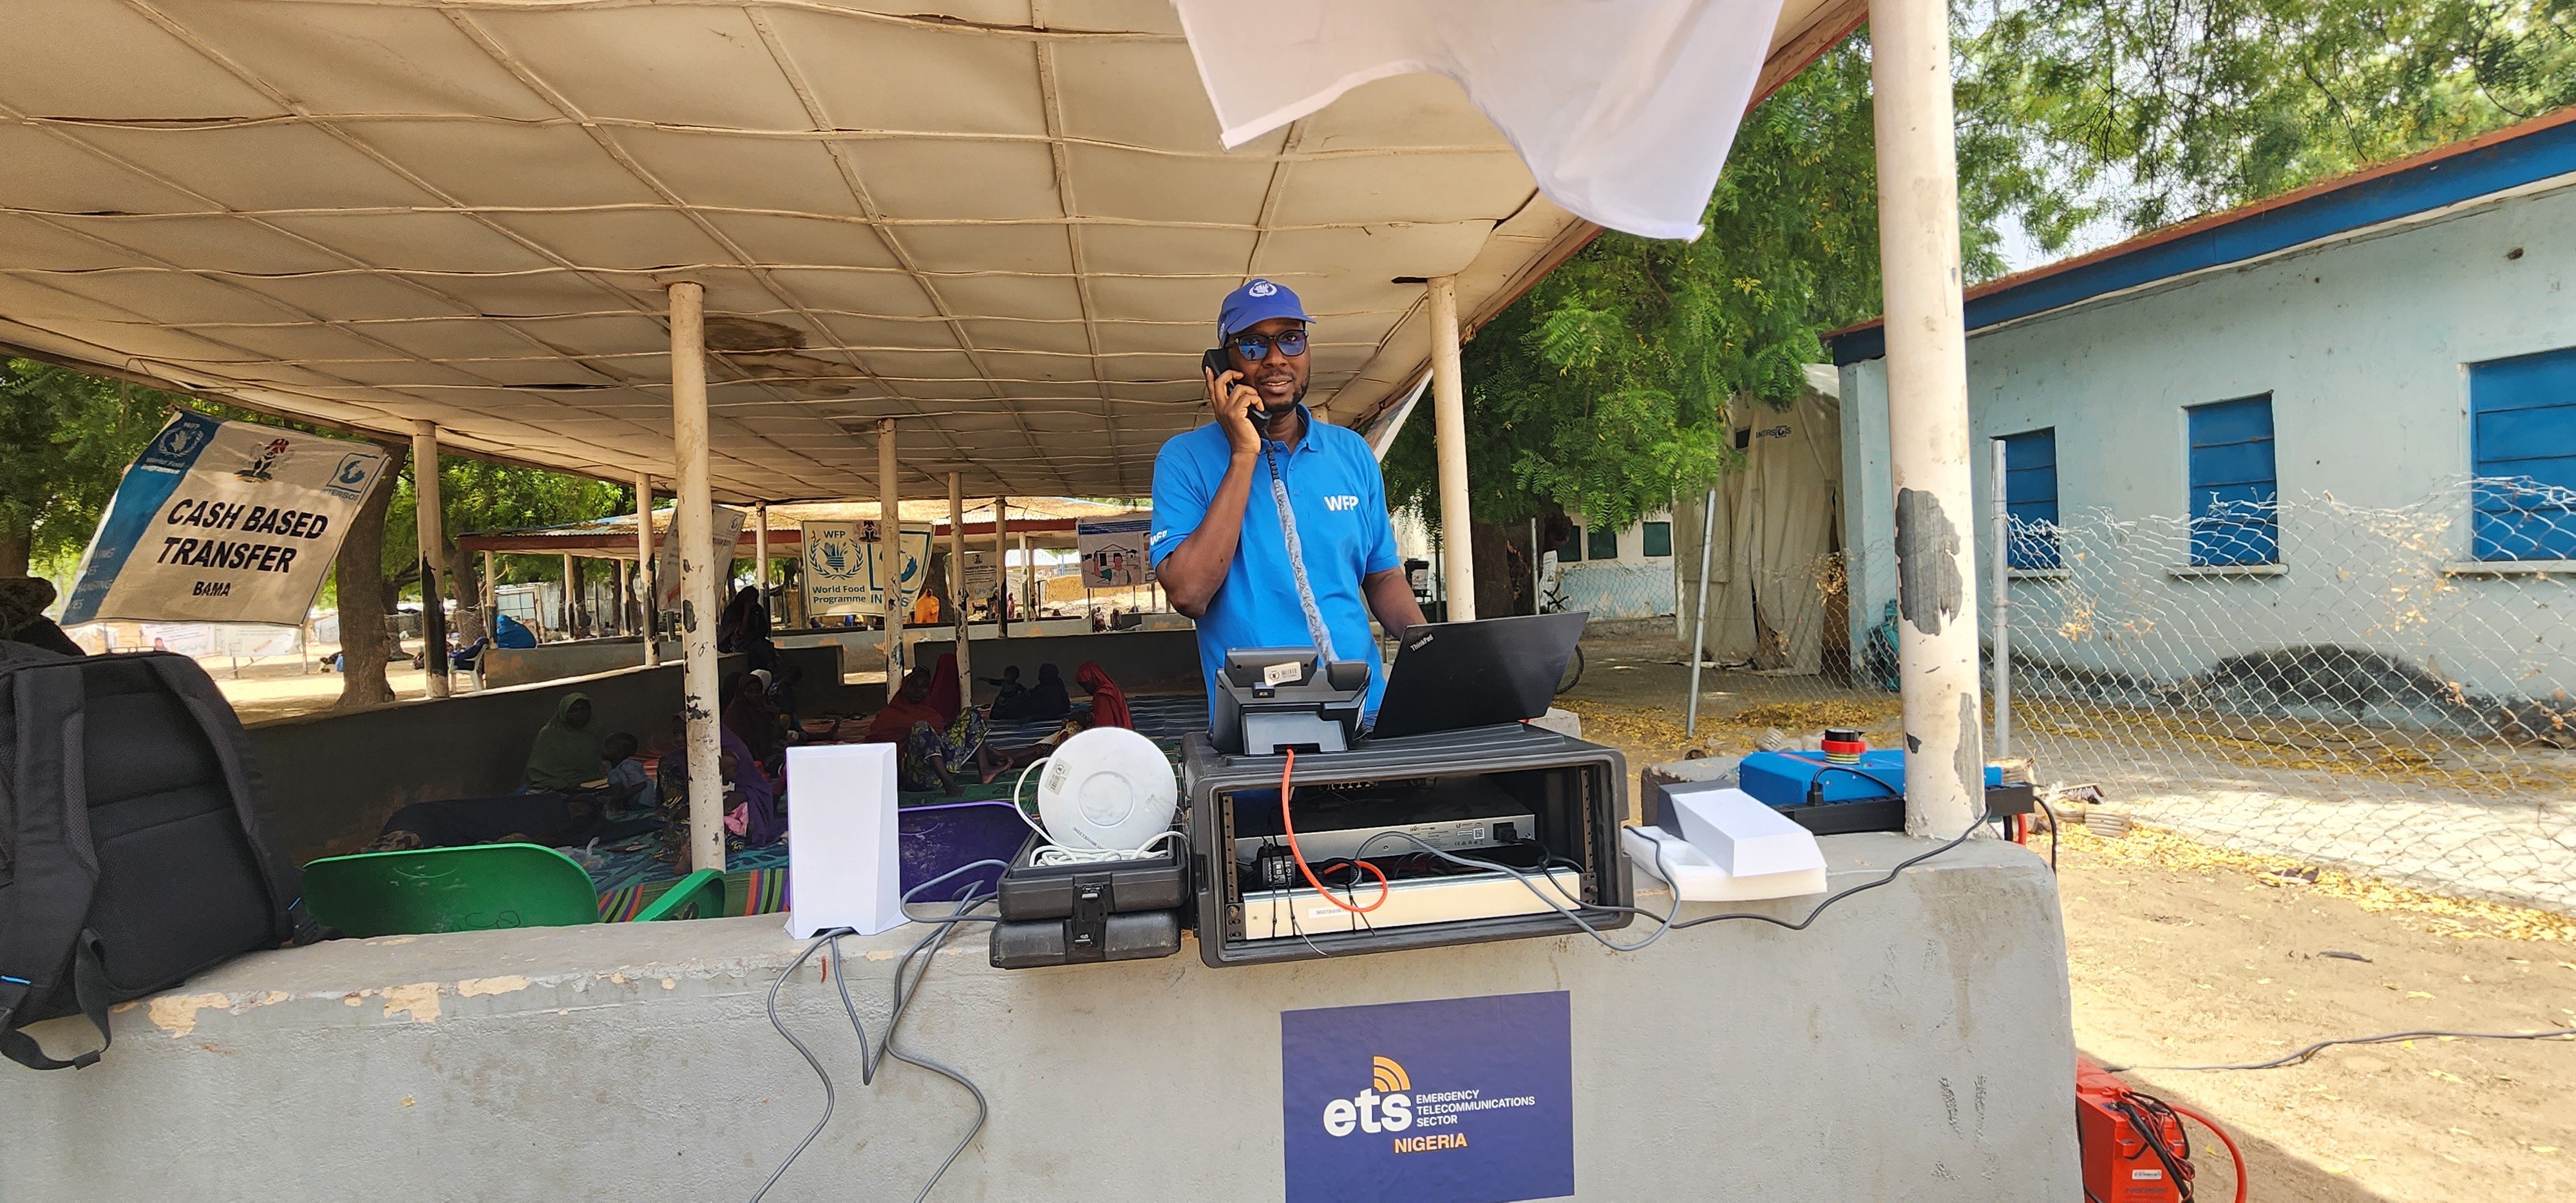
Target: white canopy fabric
point(1003, 223)
point(1623, 109)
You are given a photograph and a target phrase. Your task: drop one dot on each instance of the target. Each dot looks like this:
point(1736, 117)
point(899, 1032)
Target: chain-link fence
point(2346, 685)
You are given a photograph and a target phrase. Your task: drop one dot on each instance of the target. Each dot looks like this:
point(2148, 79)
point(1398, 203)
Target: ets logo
point(1467, 1100)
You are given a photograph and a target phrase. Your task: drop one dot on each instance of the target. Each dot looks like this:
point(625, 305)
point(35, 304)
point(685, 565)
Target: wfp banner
point(726, 524)
point(846, 572)
point(1465, 1100)
point(223, 522)
point(1113, 551)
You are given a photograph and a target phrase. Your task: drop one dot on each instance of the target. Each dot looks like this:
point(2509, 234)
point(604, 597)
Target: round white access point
point(1107, 788)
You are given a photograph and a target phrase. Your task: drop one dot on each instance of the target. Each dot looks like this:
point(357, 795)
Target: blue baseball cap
point(1256, 302)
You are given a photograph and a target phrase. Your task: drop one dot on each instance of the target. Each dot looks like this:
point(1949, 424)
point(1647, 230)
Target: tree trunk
point(467, 586)
point(13, 552)
point(364, 595)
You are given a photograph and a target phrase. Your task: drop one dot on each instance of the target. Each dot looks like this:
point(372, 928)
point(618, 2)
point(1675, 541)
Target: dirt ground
point(2181, 954)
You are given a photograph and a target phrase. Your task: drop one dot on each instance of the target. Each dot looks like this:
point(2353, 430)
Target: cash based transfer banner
point(1464, 1100)
point(223, 522)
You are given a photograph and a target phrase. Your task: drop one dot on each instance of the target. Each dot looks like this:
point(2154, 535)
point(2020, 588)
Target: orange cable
point(2224, 1138)
point(1382, 888)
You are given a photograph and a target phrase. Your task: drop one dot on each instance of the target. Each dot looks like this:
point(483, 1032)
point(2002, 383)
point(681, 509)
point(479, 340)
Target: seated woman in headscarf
point(744, 628)
point(751, 718)
point(568, 749)
point(1046, 699)
point(22, 615)
point(752, 815)
point(932, 754)
point(1108, 702)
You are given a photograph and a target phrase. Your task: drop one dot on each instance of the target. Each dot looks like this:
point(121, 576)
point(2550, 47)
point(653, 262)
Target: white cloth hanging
point(1622, 109)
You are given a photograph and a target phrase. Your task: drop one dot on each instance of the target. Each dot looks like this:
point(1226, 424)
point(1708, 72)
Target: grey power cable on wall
point(943, 927)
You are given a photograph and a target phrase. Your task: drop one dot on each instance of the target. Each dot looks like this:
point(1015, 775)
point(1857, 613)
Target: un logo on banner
point(179, 440)
point(351, 476)
point(1466, 1100)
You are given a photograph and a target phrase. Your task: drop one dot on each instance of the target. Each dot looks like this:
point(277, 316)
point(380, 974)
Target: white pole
point(2003, 607)
point(622, 579)
point(957, 584)
point(491, 600)
point(1927, 404)
point(1449, 409)
point(570, 586)
point(1028, 579)
point(1002, 567)
point(693, 540)
point(647, 597)
point(760, 554)
point(427, 509)
point(1538, 579)
point(890, 552)
point(1699, 623)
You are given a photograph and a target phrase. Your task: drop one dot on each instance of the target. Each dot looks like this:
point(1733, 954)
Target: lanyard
point(1315, 628)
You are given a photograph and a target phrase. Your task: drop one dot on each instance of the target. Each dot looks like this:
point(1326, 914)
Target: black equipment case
point(130, 853)
point(1077, 914)
point(1576, 791)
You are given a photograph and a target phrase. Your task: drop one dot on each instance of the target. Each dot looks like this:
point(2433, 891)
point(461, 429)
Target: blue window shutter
point(1604, 545)
point(2030, 498)
point(1572, 552)
point(2522, 441)
point(2235, 487)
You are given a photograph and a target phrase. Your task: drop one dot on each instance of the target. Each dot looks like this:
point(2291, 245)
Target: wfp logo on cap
point(1261, 288)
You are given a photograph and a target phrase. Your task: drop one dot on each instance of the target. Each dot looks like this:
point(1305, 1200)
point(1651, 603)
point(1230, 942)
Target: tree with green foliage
point(2153, 111)
point(65, 440)
point(1607, 387)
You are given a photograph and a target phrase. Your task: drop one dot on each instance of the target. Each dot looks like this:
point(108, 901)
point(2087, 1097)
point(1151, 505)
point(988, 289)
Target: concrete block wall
point(1914, 1044)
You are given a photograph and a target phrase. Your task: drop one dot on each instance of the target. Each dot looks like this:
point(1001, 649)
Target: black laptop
point(1453, 675)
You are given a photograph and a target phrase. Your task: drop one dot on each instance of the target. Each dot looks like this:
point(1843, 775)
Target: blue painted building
point(2342, 418)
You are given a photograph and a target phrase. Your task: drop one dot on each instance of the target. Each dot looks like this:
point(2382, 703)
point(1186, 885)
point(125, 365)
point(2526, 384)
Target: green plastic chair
point(484, 887)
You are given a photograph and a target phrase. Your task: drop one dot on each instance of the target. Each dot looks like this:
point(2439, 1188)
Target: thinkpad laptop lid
point(1453, 675)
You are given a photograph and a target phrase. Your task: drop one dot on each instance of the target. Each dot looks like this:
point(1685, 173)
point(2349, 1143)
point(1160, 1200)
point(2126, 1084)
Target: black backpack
point(129, 854)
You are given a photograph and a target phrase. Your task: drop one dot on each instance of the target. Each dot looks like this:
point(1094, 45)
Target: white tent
point(1774, 572)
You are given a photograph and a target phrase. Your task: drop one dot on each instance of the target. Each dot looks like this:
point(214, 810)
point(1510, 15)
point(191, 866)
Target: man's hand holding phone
point(1233, 401)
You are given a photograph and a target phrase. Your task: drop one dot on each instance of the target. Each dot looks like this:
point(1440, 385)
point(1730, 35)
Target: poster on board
point(1467, 1100)
point(847, 572)
point(223, 522)
point(1113, 550)
point(727, 524)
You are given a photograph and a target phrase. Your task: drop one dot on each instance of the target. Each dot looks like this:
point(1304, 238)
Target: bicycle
point(1552, 601)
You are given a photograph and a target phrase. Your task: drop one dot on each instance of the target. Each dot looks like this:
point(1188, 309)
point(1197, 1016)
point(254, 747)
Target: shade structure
point(1005, 225)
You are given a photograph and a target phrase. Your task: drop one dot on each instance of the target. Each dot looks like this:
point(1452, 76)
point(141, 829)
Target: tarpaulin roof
point(1005, 224)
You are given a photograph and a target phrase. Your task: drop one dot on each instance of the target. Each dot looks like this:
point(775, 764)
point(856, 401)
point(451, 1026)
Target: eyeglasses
point(1256, 347)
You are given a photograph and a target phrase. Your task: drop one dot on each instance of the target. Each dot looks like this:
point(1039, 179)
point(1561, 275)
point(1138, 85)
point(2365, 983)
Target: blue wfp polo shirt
point(1339, 498)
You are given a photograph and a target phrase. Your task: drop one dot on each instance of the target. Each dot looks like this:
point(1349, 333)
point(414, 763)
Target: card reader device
point(1272, 698)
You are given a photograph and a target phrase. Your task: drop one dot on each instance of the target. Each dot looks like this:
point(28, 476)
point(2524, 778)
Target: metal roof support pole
point(1028, 580)
point(620, 594)
point(427, 510)
point(1927, 410)
point(890, 553)
point(693, 539)
point(1002, 566)
point(645, 593)
point(1449, 429)
point(571, 589)
point(760, 554)
point(957, 584)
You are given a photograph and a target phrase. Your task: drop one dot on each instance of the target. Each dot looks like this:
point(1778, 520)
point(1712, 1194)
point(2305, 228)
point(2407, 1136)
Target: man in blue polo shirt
point(1219, 548)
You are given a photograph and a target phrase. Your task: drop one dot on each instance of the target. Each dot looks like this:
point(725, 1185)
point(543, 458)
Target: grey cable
point(870, 1059)
point(2313, 1049)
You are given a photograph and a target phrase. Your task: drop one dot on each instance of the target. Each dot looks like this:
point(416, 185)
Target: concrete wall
point(333, 779)
point(1913, 1045)
point(506, 666)
point(2363, 345)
